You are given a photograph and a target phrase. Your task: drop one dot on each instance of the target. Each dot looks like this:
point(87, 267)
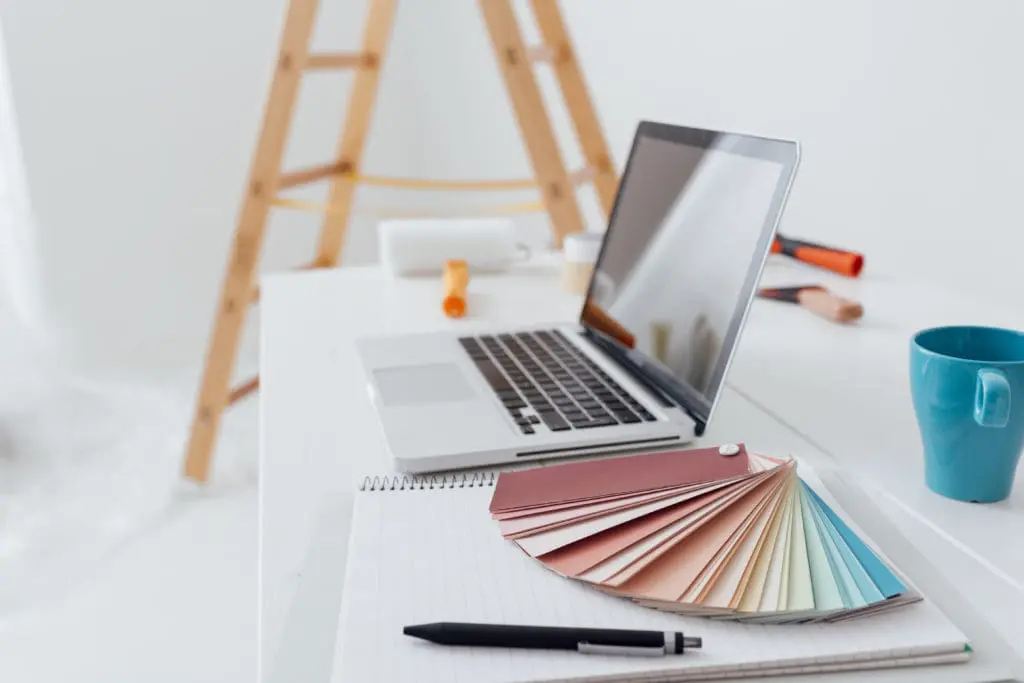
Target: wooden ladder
point(343, 172)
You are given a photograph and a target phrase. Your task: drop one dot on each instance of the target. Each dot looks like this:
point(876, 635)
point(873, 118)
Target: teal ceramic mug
point(968, 389)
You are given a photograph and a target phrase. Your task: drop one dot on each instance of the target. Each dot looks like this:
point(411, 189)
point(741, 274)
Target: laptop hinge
point(659, 390)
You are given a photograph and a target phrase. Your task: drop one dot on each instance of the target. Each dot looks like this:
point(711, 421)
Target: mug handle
point(992, 398)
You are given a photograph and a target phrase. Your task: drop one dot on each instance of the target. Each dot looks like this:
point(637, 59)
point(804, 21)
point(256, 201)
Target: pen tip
point(690, 641)
point(419, 631)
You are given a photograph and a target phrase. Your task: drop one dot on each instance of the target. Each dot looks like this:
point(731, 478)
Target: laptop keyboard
point(541, 377)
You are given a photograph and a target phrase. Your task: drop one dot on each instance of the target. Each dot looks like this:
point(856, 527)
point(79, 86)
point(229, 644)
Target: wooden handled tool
point(817, 300)
point(846, 263)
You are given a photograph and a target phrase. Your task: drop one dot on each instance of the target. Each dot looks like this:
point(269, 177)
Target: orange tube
point(846, 263)
point(456, 279)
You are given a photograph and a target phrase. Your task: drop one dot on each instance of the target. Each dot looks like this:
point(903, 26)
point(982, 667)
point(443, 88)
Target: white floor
point(176, 604)
point(173, 599)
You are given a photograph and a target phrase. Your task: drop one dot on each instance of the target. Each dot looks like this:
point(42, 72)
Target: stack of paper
point(714, 531)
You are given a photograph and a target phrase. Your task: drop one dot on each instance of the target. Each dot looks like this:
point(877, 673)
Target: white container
point(580, 251)
point(422, 246)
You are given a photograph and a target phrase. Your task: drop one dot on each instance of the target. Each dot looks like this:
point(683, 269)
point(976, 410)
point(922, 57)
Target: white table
point(848, 391)
point(319, 434)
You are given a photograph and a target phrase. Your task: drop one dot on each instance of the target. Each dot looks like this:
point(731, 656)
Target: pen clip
point(595, 649)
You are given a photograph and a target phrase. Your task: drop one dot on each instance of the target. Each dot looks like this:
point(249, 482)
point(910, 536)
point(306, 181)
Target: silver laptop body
point(644, 365)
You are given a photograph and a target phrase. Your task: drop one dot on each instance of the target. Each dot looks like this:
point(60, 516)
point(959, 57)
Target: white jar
point(580, 251)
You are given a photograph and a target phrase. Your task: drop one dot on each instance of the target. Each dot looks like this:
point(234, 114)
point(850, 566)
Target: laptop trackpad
point(419, 384)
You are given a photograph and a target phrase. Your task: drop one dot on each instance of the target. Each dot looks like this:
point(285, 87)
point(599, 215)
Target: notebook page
point(436, 555)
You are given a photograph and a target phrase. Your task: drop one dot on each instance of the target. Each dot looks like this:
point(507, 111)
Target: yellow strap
point(499, 209)
point(425, 184)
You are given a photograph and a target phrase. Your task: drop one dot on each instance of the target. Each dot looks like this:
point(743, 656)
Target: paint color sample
point(697, 532)
point(592, 479)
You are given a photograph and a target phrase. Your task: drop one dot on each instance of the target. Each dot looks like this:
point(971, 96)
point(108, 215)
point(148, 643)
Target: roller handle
point(846, 263)
point(817, 300)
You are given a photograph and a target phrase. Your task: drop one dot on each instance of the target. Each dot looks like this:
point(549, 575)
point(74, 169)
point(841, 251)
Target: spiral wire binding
point(425, 482)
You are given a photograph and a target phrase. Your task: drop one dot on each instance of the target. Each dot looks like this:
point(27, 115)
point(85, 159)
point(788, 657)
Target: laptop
point(643, 366)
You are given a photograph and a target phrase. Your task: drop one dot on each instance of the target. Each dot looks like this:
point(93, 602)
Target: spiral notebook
point(425, 550)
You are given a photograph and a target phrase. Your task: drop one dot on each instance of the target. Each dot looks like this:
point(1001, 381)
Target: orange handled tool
point(846, 263)
point(456, 279)
point(817, 300)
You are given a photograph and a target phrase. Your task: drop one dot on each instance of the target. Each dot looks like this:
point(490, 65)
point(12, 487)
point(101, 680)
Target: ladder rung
point(310, 175)
point(584, 175)
point(341, 60)
point(243, 390)
point(544, 53)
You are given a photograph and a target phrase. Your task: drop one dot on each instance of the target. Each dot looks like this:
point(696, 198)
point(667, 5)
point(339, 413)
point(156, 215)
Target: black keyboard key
point(627, 418)
point(522, 421)
point(647, 417)
point(615, 404)
point(527, 429)
point(553, 420)
point(493, 375)
point(589, 404)
point(536, 420)
point(603, 422)
point(578, 419)
point(514, 403)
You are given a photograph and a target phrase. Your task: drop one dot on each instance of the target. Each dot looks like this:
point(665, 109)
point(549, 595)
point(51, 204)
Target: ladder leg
point(577, 98)
point(248, 241)
point(557, 190)
point(379, 20)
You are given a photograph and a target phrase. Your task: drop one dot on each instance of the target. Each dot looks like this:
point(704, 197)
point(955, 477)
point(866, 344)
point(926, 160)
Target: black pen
point(588, 640)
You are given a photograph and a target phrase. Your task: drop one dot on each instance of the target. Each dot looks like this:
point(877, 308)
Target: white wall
point(139, 118)
point(909, 112)
point(19, 260)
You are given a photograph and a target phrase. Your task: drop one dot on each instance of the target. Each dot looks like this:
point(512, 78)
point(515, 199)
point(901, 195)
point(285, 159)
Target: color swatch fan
point(714, 531)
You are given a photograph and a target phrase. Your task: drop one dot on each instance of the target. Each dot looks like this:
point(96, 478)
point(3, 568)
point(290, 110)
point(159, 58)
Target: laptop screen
point(692, 225)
